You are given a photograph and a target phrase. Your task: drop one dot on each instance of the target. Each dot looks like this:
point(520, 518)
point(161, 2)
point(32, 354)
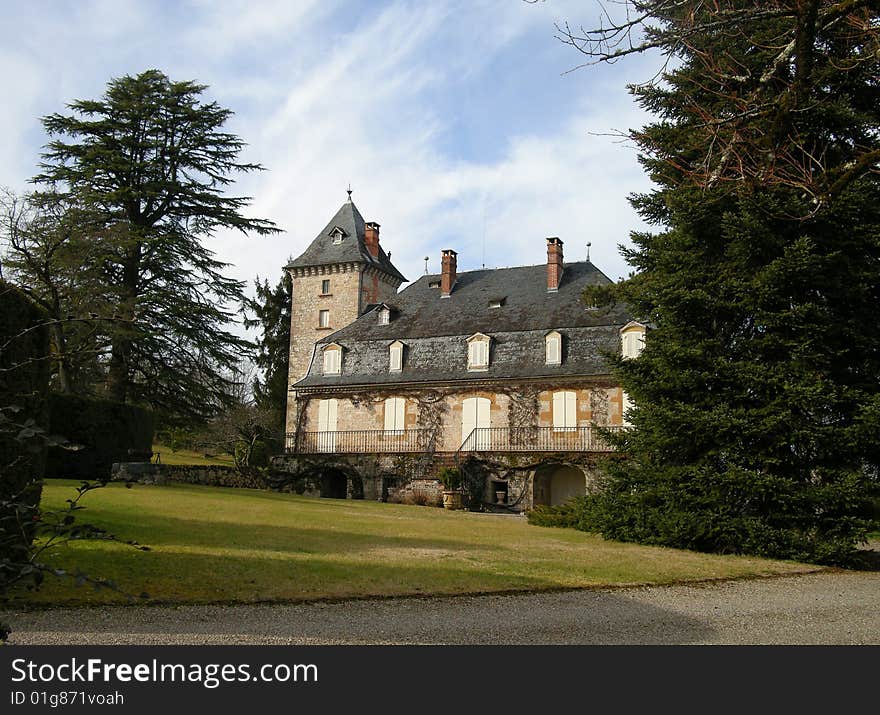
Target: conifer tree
point(271, 310)
point(148, 166)
point(757, 395)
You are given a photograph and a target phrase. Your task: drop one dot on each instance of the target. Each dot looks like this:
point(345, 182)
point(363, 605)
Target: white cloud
point(328, 93)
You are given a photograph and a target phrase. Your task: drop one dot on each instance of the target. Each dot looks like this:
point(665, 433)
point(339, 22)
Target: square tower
point(343, 271)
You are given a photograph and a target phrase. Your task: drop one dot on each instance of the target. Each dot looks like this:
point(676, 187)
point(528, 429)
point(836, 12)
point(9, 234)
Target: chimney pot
point(371, 238)
point(554, 263)
point(449, 265)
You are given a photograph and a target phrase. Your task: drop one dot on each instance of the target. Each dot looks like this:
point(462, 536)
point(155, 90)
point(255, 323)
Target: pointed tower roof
point(342, 241)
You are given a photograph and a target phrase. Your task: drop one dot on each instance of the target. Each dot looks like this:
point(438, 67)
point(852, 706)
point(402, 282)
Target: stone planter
point(500, 497)
point(452, 499)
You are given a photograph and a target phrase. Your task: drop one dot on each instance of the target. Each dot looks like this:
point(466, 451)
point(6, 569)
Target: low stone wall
point(209, 476)
point(426, 492)
point(214, 476)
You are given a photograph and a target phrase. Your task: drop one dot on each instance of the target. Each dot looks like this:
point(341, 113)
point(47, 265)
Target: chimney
point(554, 264)
point(449, 263)
point(371, 238)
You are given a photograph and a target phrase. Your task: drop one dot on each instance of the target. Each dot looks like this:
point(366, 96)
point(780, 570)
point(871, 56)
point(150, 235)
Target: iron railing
point(537, 439)
point(366, 441)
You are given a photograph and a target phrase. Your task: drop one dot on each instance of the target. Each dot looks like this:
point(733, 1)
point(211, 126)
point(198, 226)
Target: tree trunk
point(118, 377)
point(62, 364)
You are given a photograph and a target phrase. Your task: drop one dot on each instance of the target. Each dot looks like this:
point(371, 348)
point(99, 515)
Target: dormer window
point(433, 284)
point(384, 316)
point(495, 303)
point(553, 348)
point(478, 352)
point(337, 234)
point(332, 359)
point(632, 339)
point(395, 356)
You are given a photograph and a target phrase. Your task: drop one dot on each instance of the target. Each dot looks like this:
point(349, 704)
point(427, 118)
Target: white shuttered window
point(395, 362)
point(564, 410)
point(332, 360)
point(395, 414)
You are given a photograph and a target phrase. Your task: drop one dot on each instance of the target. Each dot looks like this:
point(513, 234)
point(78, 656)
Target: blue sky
point(452, 121)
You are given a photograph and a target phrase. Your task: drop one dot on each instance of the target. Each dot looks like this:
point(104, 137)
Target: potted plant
point(450, 478)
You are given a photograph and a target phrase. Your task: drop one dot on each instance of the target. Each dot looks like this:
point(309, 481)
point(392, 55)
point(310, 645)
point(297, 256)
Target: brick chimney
point(371, 238)
point(554, 263)
point(449, 263)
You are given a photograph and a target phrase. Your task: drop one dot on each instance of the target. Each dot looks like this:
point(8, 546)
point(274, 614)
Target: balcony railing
point(537, 439)
point(366, 441)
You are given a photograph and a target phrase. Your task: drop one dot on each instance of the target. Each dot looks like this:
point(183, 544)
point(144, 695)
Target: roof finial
point(348, 191)
point(588, 249)
point(426, 265)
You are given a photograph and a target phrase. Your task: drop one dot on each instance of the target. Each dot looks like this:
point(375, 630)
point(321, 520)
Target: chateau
point(499, 371)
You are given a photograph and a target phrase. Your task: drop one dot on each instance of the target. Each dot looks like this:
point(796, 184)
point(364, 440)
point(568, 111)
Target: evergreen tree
point(271, 310)
point(757, 396)
point(147, 167)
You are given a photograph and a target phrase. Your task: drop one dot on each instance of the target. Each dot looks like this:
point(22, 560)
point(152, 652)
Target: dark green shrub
point(24, 385)
point(450, 477)
point(107, 432)
point(577, 513)
point(251, 454)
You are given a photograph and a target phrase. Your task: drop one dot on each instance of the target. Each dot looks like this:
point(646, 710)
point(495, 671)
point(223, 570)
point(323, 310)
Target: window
point(323, 318)
point(332, 360)
point(326, 437)
point(476, 415)
point(395, 361)
point(553, 348)
point(384, 316)
point(478, 352)
point(433, 284)
point(564, 411)
point(495, 303)
point(395, 414)
point(337, 234)
point(632, 339)
point(325, 286)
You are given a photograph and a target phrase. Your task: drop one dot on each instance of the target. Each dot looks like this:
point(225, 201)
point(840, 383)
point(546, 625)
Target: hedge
point(106, 431)
point(24, 386)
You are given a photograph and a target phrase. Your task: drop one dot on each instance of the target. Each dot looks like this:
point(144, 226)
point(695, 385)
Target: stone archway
point(555, 484)
point(334, 484)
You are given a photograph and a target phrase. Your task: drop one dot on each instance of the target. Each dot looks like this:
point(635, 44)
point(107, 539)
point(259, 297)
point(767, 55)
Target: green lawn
point(211, 544)
point(185, 456)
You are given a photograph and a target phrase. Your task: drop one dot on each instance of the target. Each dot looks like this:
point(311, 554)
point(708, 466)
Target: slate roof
point(323, 251)
point(443, 359)
point(434, 329)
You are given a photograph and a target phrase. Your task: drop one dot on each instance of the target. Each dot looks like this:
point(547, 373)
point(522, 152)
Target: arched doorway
point(334, 484)
point(555, 484)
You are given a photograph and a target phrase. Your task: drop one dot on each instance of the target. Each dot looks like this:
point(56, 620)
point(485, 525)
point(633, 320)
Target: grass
point(210, 544)
point(185, 456)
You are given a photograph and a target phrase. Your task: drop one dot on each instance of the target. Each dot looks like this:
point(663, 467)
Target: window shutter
point(558, 409)
point(400, 413)
point(553, 350)
point(395, 414)
point(396, 358)
point(331, 361)
point(564, 410)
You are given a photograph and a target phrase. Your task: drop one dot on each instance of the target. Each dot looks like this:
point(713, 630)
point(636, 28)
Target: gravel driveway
point(827, 607)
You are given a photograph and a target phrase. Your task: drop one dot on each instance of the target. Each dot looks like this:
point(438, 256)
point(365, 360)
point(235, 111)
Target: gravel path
point(828, 607)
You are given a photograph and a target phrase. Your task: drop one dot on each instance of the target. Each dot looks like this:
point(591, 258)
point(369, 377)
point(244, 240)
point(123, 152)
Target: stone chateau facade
point(501, 372)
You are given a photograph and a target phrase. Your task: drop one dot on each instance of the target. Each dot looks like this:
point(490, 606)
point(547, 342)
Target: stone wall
point(598, 402)
point(209, 476)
